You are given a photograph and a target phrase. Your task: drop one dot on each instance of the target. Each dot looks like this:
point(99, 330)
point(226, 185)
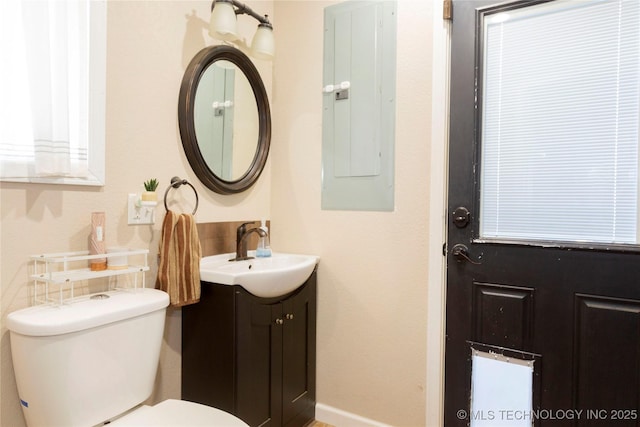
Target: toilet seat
point(172, 413)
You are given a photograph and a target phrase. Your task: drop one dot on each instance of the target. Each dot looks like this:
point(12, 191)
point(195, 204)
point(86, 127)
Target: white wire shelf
point(60, 277)
point(56, 274)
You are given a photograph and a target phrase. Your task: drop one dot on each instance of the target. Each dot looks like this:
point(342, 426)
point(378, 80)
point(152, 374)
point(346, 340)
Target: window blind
point(560, 122)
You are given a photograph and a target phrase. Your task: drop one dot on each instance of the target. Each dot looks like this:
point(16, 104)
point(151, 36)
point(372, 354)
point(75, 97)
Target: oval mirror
point(224, 119)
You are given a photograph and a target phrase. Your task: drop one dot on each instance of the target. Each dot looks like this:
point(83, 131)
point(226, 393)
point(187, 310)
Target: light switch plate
point(138, 214)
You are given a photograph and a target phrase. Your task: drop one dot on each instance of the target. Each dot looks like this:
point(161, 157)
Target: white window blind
point(560, 123)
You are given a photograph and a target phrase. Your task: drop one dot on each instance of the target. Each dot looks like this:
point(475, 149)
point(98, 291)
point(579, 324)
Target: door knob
point(461, 253)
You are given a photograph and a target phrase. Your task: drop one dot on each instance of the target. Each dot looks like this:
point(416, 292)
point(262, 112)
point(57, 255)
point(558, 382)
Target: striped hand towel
point(179, 269)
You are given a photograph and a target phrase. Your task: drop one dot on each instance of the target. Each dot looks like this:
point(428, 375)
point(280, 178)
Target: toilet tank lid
point(85, 312)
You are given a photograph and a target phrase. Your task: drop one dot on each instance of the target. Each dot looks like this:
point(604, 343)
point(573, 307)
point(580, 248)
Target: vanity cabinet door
point(299, 357)
point(259, 361)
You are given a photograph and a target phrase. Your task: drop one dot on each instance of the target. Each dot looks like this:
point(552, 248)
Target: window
point(52, 98)
point(560, 123)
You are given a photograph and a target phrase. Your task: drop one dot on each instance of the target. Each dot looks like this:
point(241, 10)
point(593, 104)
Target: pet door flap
point(501, 390)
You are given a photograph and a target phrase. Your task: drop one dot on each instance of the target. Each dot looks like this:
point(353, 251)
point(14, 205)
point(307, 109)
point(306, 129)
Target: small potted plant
point(150, 187)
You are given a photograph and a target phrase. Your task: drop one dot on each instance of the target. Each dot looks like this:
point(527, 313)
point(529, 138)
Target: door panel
point(503, 315)
point(571, 307)
point(598, 347)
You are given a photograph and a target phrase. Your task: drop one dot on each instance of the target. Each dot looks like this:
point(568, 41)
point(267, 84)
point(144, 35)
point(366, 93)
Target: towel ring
point(176, 182)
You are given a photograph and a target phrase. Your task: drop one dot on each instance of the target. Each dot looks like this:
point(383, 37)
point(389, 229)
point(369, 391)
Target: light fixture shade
point(223, 22)
point(263, 46)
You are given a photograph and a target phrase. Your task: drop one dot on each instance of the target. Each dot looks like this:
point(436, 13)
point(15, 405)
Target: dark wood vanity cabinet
point(250, 356)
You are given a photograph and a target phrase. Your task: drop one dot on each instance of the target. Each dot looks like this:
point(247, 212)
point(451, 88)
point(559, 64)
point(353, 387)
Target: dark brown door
point(567, 304)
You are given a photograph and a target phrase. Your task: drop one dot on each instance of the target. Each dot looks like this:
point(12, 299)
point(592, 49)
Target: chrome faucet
point(241, 240)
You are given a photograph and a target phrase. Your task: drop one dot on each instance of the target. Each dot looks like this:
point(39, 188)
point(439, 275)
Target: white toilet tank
point(89, 360)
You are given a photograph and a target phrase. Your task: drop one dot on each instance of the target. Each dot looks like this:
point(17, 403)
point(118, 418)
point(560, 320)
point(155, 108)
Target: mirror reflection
point(226, 120)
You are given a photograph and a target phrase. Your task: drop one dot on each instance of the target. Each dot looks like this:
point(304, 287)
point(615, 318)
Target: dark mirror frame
point(186, 100)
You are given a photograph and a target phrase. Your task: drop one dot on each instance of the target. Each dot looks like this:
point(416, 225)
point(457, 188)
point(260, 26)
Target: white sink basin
point(269, 277)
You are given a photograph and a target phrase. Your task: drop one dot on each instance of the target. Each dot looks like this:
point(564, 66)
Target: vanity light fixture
point(223, 26)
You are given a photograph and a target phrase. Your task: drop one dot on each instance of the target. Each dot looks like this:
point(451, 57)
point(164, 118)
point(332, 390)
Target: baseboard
point(339, 418)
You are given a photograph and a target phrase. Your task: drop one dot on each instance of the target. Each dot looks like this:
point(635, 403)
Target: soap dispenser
point(264, 248)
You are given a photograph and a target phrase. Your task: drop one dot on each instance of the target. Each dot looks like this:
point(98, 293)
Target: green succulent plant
point(151, 185)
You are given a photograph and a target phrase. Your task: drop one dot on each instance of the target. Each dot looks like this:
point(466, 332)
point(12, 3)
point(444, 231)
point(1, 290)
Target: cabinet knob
point(279, 321)
point(288, 316)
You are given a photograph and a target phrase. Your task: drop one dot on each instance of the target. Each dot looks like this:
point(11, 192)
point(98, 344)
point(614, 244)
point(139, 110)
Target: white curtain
point(44, 88)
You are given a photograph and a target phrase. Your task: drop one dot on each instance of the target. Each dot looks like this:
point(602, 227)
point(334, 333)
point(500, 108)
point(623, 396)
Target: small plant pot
point(149, 196)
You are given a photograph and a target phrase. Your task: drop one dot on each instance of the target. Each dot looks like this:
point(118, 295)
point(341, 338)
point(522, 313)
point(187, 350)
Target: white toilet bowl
point(173, 413)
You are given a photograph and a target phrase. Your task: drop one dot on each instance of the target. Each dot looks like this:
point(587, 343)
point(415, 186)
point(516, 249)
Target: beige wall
point(374, 279)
